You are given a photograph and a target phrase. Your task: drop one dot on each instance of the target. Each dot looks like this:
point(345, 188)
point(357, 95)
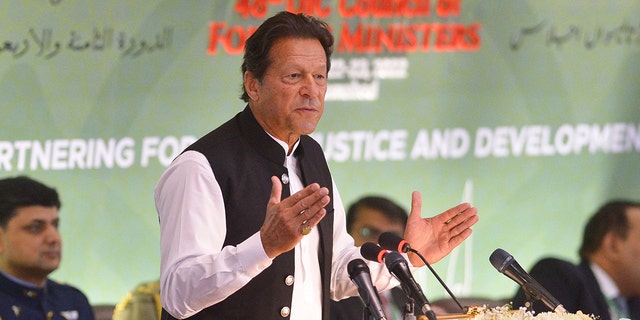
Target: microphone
point(506, 264)
point(391, 241)
point(360, 276)
point(399, 268)
point(373, 252)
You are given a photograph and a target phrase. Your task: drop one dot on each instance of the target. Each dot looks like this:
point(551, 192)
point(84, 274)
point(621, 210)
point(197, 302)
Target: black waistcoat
point(244, 158)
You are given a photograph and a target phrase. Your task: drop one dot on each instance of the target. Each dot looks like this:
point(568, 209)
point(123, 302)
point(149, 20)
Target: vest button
point(285, 311)
point(30, 294)
point(285, 178)
point(289, 280)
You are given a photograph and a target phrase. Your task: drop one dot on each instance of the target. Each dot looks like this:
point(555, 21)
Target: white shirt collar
point(284, 145)
point(608, 287)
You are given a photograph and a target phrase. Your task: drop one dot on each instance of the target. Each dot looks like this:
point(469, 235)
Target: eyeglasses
point(373, 233)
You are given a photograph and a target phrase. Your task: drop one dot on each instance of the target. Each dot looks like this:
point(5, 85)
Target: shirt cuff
point(251, 255)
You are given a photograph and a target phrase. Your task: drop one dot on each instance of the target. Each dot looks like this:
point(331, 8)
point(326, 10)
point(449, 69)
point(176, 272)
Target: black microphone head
point(393, 242)
point(373, 252)
point(507, 265)
point(399, 268)
point(356, 266)
point(393, 258)
point(501, 259)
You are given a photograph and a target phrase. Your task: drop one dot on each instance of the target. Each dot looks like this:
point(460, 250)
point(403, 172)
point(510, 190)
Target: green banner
point(528, 109)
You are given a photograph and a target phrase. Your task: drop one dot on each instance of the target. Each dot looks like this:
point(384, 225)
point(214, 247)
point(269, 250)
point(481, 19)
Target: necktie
point(619, 306)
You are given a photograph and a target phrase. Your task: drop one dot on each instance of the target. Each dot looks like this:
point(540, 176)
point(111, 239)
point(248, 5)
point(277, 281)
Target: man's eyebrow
point(40, 220)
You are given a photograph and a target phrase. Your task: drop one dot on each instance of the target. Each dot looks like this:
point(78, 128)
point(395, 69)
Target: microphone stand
point(528, 302)
point(408, 310)
point(437, 277)
point(366, 314)
point(532, 294)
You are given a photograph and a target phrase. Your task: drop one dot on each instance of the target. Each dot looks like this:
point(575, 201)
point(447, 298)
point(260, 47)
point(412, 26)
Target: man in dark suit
point(609, 267)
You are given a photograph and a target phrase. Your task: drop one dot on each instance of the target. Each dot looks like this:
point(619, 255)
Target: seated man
point(608, 269)
point(367, 218)
point(30, 249)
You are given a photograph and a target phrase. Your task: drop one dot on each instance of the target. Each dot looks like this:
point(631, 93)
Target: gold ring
point(306, 229)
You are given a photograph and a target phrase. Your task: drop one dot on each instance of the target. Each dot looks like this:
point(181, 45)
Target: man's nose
point(310, 88)
point(52, 234)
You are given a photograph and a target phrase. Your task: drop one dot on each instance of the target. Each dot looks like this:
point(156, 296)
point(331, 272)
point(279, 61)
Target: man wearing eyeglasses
point(366, 219)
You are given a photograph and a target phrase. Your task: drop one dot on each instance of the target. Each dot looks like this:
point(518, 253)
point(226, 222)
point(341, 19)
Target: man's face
point(290, 99)
point(370, 223)
point(30, 245)
point(628, 255)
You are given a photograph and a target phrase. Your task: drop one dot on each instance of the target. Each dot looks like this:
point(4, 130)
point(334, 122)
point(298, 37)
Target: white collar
point(284, 145)
point(608, 287)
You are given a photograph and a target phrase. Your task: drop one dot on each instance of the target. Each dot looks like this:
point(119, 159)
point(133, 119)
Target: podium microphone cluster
point(399, 268)
point(393, 242)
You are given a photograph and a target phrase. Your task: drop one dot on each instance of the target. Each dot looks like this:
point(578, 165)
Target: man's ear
point(611, 244)
point(251, 84)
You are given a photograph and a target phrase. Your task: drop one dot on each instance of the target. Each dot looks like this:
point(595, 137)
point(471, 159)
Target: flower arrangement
point(505, 313)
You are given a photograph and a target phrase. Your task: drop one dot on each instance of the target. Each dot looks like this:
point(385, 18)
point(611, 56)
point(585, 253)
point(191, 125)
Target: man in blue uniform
point(30, 249)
